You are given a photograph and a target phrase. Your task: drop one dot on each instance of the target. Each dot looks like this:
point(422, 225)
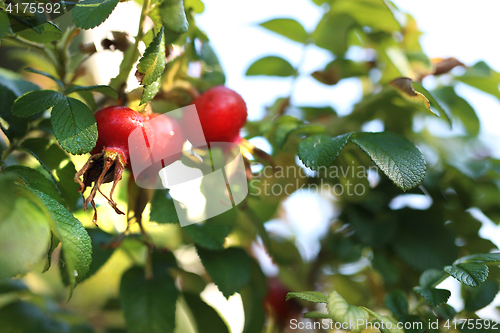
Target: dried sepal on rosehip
point(111, 154)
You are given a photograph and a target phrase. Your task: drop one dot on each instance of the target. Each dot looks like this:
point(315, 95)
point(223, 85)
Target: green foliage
point(74, 126)
point(382, 258)
point(288, 28)
point(481, 296)
point(472, 274)
point(320, 151)
point(47, 33)
point(310, 296)
point(151, 299)
point(229, 269)
point(88, 14)
point(76, 243)
point(58, 164)
point(163, 208)
point(271, 65)
point(203, 314)
point(73, 123)
point(25, 230)
point(152, 62)
point(173, 16)
point(106, 90)
point(397, 157)
point(102, 250)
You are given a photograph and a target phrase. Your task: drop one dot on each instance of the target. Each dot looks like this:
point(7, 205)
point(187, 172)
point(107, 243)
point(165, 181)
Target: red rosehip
point(155, 150)
point(114, 125)
point(222, 113)
point(111, 153)
point(276, 304)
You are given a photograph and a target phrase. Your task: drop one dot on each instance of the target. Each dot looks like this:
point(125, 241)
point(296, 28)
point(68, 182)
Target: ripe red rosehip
point(222, 114)
point(155, 150)
point(168, 137)
point(114, 125)
point(276, 304)
point(111, 153)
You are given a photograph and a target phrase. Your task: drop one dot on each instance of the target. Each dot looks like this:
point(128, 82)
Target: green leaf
point(288, 125)
point(486, 258)
point(342, 312)
point(76, 243)
point(196, 5)
point(460, 107)
point(397, 157)
point(74, 126)
point(15, 83)
point(396, 302)
point(148, 305)
point(288, 28)
point(310, 296)
point(252, 297)
point(320, 151)
point(173, 16)
point(4, 24)
point(271, 65)
point(36, 180)
point(35, 102)
point(100, 254)
point(36, 71)
point(481, 296)
point(372, 13)
point(212, 233)
point(58, 164)
point(21, 316)
point(152, 62)
point(150, 91)
point(88, 14)
point(313, 113)
point(49, 33)
point(432, 277)
point(405, 87)
point(284, 126)
point(12, 285)
point(332, 32)
point(163, 208)
point(443, 112)
point(482, 77)
point(446, 311)
point(388, 324)
point(229, 268)
point(433, 296)
point(203, 314)
point(471, 274)
point(105, 90)
point(340, 69)
point(317, 315)
point(17, 127)
point(24, 229)
point(422, 240)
